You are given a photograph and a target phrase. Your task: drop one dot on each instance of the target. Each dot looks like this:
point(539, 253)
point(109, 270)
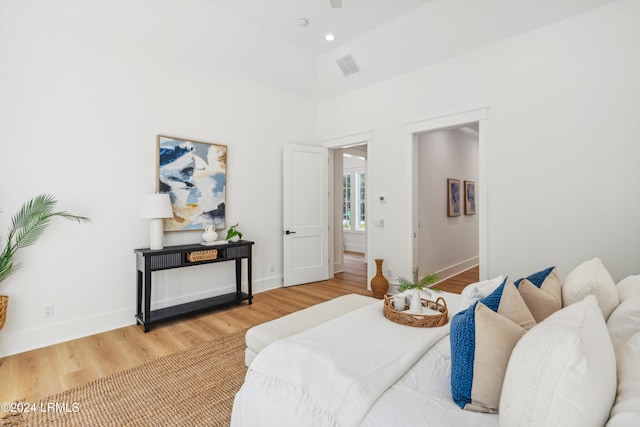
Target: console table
point(149, 260)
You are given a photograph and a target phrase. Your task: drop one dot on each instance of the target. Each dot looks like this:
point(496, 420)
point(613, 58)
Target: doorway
point(447, 243)
point(349, 207)
point(479, 118)
point(355, 145)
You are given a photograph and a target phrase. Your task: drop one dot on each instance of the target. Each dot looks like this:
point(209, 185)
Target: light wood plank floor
point(39, 373)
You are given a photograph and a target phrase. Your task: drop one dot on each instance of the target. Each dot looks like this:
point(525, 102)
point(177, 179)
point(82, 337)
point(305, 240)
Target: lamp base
point(156, 233)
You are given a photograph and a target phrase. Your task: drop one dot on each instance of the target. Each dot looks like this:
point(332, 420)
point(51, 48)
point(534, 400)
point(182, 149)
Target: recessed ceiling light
point(329, 37)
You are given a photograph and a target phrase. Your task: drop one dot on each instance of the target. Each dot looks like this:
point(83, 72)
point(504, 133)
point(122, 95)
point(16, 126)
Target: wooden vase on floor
point(4, 302)
point(379, 283)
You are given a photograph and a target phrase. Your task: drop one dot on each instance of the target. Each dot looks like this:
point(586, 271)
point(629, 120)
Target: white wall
point(447, 245)
point(84, 90)
point(562, 142)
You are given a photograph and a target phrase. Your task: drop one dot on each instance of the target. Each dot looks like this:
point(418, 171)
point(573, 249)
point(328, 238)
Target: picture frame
point(469, 198)
point(194, 174)
point(453, 197)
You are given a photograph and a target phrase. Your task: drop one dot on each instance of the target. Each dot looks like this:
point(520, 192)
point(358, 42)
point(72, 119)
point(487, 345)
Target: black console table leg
point(249, 282)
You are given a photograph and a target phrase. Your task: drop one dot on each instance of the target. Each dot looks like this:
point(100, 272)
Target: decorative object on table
point(434, 313)
point(209, 236)
point(233, 234)
point(469, 198)
point(194, 174)
point(379, 283)
point(27, 225)
point(196, 256)
point(418, 285)
point(156, 207)
point(453, 197)
point(399, 302)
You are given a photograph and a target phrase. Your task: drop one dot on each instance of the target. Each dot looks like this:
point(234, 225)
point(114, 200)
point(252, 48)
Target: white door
point(305, 214)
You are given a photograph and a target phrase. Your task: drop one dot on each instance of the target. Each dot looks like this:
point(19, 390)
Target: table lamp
point(155, 207)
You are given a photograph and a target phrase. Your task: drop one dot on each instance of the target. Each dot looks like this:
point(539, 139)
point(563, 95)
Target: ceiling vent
point(348, 65)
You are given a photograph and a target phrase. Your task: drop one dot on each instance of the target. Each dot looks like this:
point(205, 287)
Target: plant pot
point(379, 283)
point(4, 302)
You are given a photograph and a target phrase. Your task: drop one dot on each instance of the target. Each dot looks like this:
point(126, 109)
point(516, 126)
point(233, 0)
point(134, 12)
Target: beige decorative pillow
point(545, 299)
point(591, 278)
point(482, 338)
point(496, 336)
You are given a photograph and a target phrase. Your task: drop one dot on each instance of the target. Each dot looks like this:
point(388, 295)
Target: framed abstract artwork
point(453, 197)
point(469, 198)
point(194, 174)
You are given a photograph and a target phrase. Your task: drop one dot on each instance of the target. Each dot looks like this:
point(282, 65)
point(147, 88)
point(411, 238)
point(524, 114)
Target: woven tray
point(202, 255)
point(418, 320)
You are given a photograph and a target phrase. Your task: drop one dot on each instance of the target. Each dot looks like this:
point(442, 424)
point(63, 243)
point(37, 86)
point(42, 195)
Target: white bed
point(361, 369)
point(405, 380)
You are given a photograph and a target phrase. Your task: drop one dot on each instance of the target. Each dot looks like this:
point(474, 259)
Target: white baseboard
point(458, 268)
point(21, 341)
point(354, 248)
point(444, 273)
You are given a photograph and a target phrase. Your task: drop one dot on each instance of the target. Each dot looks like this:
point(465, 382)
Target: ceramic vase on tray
point(416, 303)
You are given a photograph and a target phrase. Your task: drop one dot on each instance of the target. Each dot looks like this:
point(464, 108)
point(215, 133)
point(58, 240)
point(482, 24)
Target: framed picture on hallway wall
point(194, 174)
point(469, 198)
point(453, 197)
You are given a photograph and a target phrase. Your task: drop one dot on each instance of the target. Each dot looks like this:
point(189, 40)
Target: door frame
point(342, 142)
point(480, 116)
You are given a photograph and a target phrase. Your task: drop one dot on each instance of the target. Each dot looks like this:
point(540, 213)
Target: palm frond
point(27, 225)
point(426, 281)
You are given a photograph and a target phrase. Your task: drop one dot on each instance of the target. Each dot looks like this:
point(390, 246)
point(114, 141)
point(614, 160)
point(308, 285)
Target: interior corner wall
point(561, 149)
point(338, 235)
point(447, 245)
point(82, 102)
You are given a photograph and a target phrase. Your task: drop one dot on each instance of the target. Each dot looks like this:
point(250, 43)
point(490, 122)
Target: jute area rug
point(193, 387)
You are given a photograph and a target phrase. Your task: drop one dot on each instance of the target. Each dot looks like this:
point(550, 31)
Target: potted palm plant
point(26, 227)
point(418, 284)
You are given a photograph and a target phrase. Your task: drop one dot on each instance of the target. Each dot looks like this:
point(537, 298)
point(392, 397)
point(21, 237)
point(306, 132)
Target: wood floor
point(39, 373)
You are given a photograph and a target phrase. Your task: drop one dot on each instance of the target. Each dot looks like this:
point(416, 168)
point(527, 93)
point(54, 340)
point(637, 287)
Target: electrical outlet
point(272, 268)
point(47, 310)
point(390, 272)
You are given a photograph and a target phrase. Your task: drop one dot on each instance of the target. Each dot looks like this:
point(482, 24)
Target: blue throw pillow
point(482, 338)
point(536, 278)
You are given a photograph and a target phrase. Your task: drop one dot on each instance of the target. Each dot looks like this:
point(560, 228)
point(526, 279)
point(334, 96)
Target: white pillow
point(562, 372)
point(591, 278)
point(626, 410)
point(476, 291)
point(629, 287)
point(624, 322)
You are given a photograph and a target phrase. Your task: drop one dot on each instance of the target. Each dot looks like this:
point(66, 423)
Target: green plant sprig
point(27, 225)
point(427, 281)
point(233, 231)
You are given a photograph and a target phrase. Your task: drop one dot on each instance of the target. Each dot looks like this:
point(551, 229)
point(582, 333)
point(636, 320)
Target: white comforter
point(358, 369)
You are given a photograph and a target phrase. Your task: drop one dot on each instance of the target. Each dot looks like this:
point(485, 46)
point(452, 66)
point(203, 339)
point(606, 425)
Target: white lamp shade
point(156, 206)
